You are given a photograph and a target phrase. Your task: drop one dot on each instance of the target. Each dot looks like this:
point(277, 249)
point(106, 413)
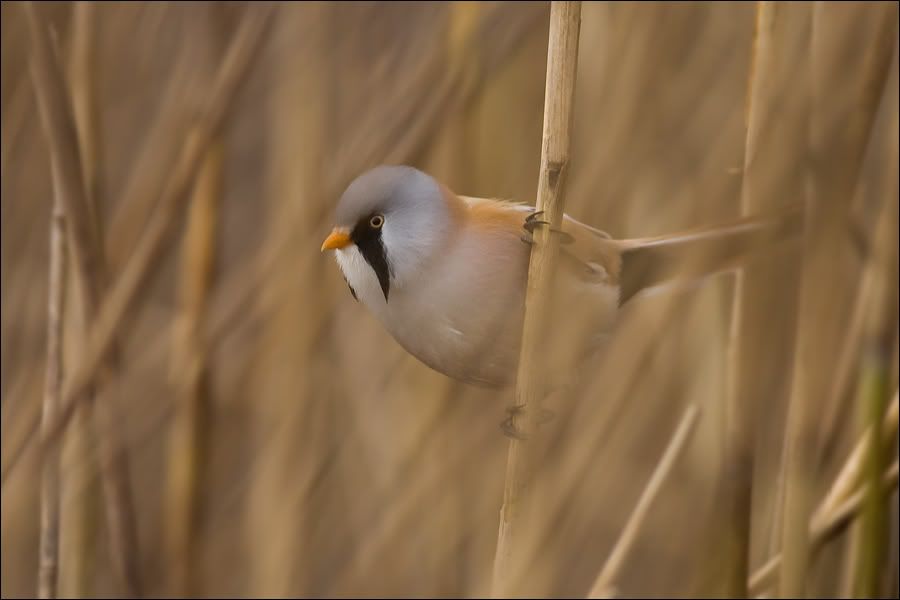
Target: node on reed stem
point(58, 120)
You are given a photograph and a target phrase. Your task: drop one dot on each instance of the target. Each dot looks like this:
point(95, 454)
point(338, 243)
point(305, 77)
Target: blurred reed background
point(255, 432)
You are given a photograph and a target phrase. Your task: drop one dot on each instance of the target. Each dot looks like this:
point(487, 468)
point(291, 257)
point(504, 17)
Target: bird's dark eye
point(376, 221)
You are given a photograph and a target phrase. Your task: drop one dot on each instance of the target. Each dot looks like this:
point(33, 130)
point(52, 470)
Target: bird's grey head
point(395, 217)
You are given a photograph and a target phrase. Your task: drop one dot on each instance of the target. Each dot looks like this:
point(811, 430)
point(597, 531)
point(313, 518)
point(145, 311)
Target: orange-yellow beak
point(338, 238)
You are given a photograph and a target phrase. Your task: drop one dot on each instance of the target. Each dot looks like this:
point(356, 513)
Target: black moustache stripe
point(371, 245)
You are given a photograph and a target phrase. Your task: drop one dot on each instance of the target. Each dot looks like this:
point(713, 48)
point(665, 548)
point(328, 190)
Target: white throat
point(361, 277)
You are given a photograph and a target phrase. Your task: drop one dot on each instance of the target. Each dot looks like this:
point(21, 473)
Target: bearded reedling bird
point(446, 274)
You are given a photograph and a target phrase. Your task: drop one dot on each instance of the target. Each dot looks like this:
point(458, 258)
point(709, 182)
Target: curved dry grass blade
point(849, 477)
point(603, 585)
point(821, 532)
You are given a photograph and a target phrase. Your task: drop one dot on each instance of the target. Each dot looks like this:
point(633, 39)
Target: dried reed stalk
point(146, 258)
point(56, 114)
point(852, 506)
point(604, 584)
point(850, 476)
point(562, 62)
point(850, 559)
point(839, 131)
point(17, 113)
point(821, 531)
point(48, 563)
point(400, 135)
point(189, 434)
point(875, 372)
point(82, 507)
point(81, 511)
point(750, 315)
point(153, 163)
point(188, 438)
point(291, 423)
point(845, 487)
point(83, 82)
point(463, 66)
point(851, 473)
point(845, 374)
point(59, 126)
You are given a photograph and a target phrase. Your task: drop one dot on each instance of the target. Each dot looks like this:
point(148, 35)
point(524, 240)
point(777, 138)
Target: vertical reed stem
point(188, 439)
point(562, 61)
point(57, 117)
point(80, 490)
point(841, 120)
point(875, 373)
point(748, 328)
point(48, 566)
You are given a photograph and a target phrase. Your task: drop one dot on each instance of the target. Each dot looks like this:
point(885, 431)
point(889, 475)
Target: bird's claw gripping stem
point(532, 222)
point(509, 427)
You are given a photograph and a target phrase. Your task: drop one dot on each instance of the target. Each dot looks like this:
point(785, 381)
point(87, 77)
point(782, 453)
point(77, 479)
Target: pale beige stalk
point(562, 63)
point(48, 562)
point(57, 117)
point(839, 130)
point(750, 312)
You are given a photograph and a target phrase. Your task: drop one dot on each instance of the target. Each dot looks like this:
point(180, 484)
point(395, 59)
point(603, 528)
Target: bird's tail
point(698, 253)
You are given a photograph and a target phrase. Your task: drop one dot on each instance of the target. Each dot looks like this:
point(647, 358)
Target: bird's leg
point(511, 430)
point(508, 426)
point(532, 222)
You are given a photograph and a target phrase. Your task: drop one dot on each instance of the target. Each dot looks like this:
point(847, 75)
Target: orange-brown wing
point(591, 254)
point(587, 253)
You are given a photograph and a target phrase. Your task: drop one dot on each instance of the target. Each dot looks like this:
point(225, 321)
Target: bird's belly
point(444, 335)
point(476, 337)
point(467, 341)
point(464, 319)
